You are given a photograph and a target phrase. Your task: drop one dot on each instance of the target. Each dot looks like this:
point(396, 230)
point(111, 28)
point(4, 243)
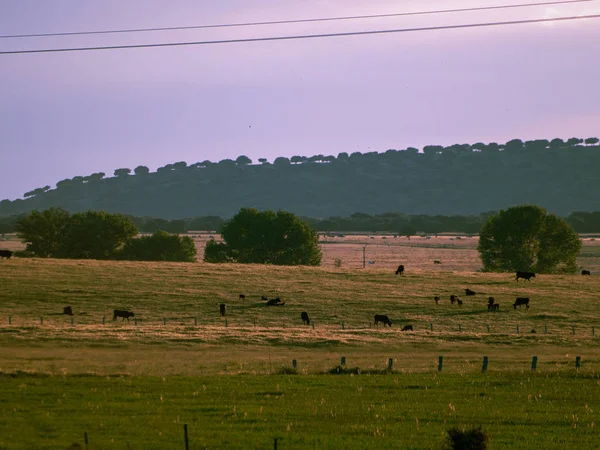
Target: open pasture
point(133, 384)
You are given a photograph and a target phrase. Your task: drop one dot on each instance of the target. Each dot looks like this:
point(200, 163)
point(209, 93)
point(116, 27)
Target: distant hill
point(462, 179)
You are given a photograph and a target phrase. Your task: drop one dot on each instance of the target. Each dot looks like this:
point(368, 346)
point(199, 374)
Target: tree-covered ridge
point(558, 175)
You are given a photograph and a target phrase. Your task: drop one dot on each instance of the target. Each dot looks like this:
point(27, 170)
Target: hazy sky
point(69, 114)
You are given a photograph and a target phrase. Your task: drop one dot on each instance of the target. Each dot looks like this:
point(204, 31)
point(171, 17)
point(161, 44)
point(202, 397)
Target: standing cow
point(383, 319)
point(5, 254)
point(525, 275)
point(305, 318)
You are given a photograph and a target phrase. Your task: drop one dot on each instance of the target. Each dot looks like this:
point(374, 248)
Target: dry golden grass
point(258, 339)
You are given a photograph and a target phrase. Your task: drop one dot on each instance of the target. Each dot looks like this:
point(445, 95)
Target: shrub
point(161, 246)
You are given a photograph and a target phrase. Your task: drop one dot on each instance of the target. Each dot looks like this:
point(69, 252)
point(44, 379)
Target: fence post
point(72, 321)
point(488, 327)
point(275, 444)
point(10, 320)
point(517, 329)
point(342, 324)
point(485, 364)
point(195, 321)
point(459, 327)
point(546, 329)
point(185, 437)
point(440, 363)
point(534, 363)
point(164, 321)
point(593, 331)
point(390, 363)
point(85, 439)
point(41, 320)
point(294, 364)
point(135, 321)
point(343, 361)
point(312, 322)
point(577, 362)
point(103, 319)
point(226, 323)
point(573, 329)
point(431, 326)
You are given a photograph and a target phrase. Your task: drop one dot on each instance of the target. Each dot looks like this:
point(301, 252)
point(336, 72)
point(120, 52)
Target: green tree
point(266, 237)
point(216, 252)
point(526, 237)
point(122, 172)
point(161, 246)
point(141, 170)
point(592, 141)
point(42, 231)
point(243, 160)
point(95, 235)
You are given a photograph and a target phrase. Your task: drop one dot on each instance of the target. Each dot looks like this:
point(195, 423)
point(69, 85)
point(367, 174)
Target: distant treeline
point(397, 223)
point(558, 175)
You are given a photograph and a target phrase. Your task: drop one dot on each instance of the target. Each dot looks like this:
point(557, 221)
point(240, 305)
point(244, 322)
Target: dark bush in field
point(161, 246)
point(473, 439)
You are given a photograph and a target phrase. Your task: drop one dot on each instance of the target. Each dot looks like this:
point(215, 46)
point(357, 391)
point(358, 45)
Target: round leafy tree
point(527, 238)
point(266, 237)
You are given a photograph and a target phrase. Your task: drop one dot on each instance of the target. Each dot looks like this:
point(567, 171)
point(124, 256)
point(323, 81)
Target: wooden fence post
point(185, 437)
point(459, 327)
point(103, 319)
point(577, 362)
point(488, 327)
point(517, 329)
point(534, 363)
point(342, 324)
point(164, 321)
point(10, 320)
point(226, 323)
point(195, 321)
point(343, 361)
point(41, 320)
point(390, 363)
point(485, 364)
point(573, 329)
point(440, 363)
point(85, 439)
point(431, 326)
point(294, 364)
point(546, 329)
point(593, 331)
point(312, 322)
point(72, 323)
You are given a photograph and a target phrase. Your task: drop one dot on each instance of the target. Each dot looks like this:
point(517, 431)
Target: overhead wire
point(281, 22)
point(304, 36)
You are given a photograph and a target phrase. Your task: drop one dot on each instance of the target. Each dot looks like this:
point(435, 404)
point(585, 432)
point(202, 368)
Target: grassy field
point(133, 384)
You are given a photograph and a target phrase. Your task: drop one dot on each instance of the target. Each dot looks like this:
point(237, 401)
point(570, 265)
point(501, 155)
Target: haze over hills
point(460, 179)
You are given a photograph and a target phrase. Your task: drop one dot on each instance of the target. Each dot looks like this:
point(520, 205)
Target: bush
point(216, 252)
point(161, 246)
point(474, 439)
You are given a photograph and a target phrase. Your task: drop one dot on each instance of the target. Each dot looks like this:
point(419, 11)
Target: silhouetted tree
point(298, 159)
point(122, 172)
point(181, 165)
point(141, 170)
point(572, 142)
point(262, 160)
point(592, 141)
point(281, 161)
point(243, 160)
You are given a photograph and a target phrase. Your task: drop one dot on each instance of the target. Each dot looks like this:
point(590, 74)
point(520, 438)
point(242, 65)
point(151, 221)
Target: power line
point(280, 22)
point(304, 36)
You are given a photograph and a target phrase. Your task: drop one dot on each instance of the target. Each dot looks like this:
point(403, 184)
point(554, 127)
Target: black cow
point(453, 298)
point(525, 275)
point(67, 311)
point(585, 272)
point(275, 302)
point(242, 297)
point(436, 299)
point(521, 301)
point(407, 328)
point(469, 292)
point(495, 307)
point(5, 254)
point(222, 310)
point(123, 314)
point(383, 319)
point(459, 301)
point(400, 270)
point(305, 319)
point(437, 262)
point(491, 300)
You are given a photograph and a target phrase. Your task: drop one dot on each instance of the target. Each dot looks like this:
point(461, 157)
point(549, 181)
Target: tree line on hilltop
point(459, 179)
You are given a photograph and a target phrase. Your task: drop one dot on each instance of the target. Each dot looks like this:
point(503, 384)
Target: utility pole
point(364, 256)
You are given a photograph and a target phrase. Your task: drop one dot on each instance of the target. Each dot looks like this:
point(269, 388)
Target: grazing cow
point(305, 319)
point(67, 311)
point(437, 262)
point(436, 299)
point(5, 254)
point(533, 330)
point(495, 307)
point(585, 272)
point(521, 301)
point(407, 328)
point(275, 302)
point(123, 314)
point(525, 275)
point(383, 319)
point(491, 300)
point(469, 292)
point(222, 310)
point(400, 270)
point(242, 297)
point(459, 301)
point(453, 298)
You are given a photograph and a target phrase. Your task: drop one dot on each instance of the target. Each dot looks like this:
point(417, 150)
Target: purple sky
point(69, 114)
